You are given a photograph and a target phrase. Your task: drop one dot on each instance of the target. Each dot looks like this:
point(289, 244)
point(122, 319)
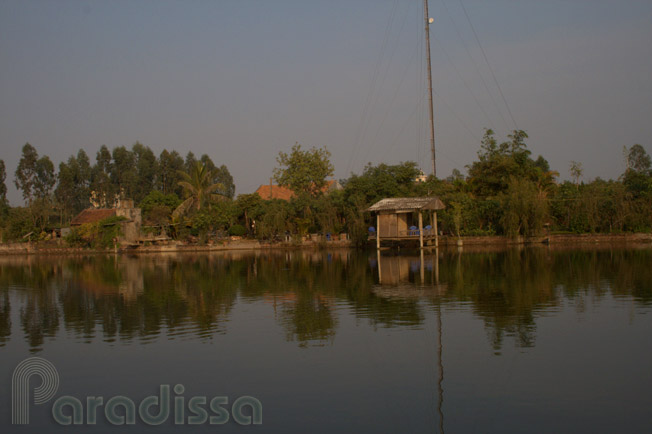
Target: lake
point(490, 341)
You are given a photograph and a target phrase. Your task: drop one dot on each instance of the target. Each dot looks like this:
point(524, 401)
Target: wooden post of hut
point(420, 230)
point(434, 226)
point(378, 231)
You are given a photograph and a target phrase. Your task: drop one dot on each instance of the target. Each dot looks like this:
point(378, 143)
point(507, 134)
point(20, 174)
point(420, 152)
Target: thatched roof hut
point(407, 204)
point(394, 219)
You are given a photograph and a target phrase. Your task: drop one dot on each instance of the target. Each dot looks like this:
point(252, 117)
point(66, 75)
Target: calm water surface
point(524, 340)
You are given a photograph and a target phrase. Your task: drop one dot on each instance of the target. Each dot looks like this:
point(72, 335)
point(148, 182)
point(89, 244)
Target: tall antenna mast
point(432, 122)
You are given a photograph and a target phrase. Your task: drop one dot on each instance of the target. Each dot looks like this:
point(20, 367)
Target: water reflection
point(119, 299)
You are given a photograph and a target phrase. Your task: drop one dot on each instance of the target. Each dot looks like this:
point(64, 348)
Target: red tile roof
point(275, 192)
point(92, 215)
point(280, 192)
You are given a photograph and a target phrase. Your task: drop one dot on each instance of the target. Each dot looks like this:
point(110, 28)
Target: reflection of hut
point(395, 219)
point(130, 227)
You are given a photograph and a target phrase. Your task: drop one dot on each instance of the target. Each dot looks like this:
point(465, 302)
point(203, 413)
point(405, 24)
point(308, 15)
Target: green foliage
point(123, 172)
point(638, 176)
point(169, 166)
point(18, 224)
point(497, 164)
point(382, 181)
point(3, 186)
point(103, 234)
point(45, 178)
point(156, 198)
point(237, 230)
point(157, 208)
point(34, 176)
point(274, 220)
point(304, 171)
point(199, 189)
point(73, 188)
point(327, 213)
point(251, 207)
point(221, 175)
point(638, 159)
point(576, 171)
point(217, 217)
point(506, 192)
point(146, 171)
point(525, 211)
point(101, 183)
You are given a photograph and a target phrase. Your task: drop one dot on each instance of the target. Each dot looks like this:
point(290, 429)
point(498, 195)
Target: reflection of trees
point(39, 316)
point(308, 318)
point(122, 298)
point(301, 287)
point(507, 289)
point(5, 317)
point(125, 297)
point(504, 288)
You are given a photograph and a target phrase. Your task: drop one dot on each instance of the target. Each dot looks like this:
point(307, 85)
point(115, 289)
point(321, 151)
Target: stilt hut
point(395, 220)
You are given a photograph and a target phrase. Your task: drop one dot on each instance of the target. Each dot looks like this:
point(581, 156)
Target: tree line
point(505, 192)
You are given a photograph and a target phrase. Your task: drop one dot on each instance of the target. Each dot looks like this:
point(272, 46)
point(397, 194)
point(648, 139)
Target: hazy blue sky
point(242, 80)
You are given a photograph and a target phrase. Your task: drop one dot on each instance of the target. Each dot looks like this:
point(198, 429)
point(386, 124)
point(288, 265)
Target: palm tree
point(199, 188)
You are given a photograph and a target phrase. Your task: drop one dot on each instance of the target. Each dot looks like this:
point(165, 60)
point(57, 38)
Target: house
point(421, 177)
point(271, 191)
point(395, 219)
point(125, 208)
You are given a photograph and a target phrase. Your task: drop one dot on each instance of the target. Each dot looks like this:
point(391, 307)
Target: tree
point(638, 159)
point(102, 190)
point(45, 178)
point(157, 207)
point(497, 164)
point(146, 169)
point(65, 191)
point(456, 175)
point(524, 211)
point(199, 189)
point(3, 186)
point(381, 181)
point(638, 176)
point(190, 162)
point(576, 171)
point(123, 171)
point(304, 171)
point(74, 181)
point(169, 166)
point(26, 172)
point(221, 175)
point(250, 206)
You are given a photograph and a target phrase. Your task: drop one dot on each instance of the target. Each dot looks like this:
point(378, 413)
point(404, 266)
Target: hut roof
point(92, 215)
point(398, 204)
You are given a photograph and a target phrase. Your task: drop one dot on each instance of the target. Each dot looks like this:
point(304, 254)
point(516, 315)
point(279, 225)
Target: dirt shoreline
point(444, 241)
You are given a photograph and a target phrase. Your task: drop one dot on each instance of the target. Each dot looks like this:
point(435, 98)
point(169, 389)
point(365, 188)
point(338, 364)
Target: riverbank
point(568, 239)
point(54, 248)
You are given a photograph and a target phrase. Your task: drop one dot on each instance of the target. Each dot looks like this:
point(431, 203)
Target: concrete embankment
point(445, 241)
point(53, 248)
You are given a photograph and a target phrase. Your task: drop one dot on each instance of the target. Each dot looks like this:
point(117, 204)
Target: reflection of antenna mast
point(440, 365)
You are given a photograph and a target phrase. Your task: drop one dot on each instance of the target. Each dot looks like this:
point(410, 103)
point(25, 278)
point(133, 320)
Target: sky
point(242, 80)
